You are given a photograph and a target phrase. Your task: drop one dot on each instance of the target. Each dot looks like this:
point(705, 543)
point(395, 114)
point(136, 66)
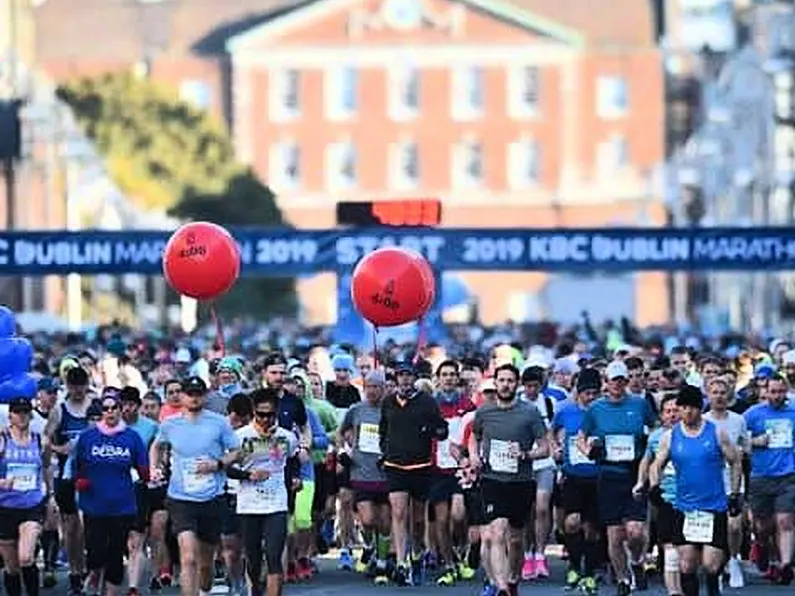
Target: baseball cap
point(342, 362)
point(616, 370)
point(375, 377)
point(194, 385)
point(20, 404)
point(565, 366)
point(487, 385)
point(47, 384)
point(765, 370)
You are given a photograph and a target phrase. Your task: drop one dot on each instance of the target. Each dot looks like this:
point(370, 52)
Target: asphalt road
point(331, 582)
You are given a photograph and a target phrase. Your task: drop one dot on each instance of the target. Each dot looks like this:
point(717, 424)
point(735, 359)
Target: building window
point(468, 164)
point(524, 163)
point(285, 165)
point(468, 94)
point(523, 91)
point(341, 92)
point(341, 165)
point(404, 93)
point(612, 97)
point(612, 155)
point(286, 95)
point(405, 166)
point(196, 93)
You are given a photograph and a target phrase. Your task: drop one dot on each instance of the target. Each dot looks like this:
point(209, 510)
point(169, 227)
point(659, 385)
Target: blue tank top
point(69, 429)
point(23, 464)
point(699, 468)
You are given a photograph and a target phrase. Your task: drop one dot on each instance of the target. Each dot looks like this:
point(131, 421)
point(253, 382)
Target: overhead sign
point(288, 253)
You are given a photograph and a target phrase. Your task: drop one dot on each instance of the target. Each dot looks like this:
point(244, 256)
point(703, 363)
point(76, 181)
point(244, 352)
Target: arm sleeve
point(319, 437)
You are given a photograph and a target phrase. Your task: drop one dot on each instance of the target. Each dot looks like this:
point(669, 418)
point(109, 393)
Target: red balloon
point(392, 286)
point(201, 260)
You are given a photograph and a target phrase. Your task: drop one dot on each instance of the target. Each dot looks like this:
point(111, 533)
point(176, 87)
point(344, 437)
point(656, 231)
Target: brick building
point(537, 113)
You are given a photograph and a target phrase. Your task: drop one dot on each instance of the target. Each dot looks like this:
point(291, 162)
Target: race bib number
point(500, 458)
point(779, 433)
point(368, 439)
point(268, 496)
point(577, 457)
point(24, 476)
point(620, 448)
point(699, 527)
point(192, 481)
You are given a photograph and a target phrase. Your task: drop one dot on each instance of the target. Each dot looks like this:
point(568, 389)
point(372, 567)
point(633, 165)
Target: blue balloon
point(8, 322)
point(16, 354)
point(23, 385)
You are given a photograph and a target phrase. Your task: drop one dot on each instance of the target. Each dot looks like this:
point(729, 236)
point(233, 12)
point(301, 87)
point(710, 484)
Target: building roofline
point(500, 9)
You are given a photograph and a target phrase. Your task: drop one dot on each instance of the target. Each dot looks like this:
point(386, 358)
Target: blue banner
point(288, 253)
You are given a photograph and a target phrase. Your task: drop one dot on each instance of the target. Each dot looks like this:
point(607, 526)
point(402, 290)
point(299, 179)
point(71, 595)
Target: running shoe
point(529, 568)
point(541, 568)
point(488, 589)
point(572, 579)
point(639, 580)
point(623, 588)
point(303, 570)
point(345, 561)
point(291, 576)
point(50, 580)
point(785, 575)
point(401, 575)
point(465, 572)
point(589, 586)
point(447, 578)
point(736, 577)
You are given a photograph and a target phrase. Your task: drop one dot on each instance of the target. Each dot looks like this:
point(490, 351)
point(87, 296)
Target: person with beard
point(410, 423)
point(341, 394)
point(507, 437)
point(64, 425)
point(771, 489)
point(201, 444)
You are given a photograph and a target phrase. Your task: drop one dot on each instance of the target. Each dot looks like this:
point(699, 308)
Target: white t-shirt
point(269, 454)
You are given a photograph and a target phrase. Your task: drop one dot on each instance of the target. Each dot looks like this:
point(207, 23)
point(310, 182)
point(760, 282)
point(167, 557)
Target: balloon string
point(219, 330)
point(375, 347)
point(420, 341)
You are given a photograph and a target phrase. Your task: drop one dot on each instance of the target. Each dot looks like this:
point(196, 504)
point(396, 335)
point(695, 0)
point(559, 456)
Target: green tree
point(166, 155)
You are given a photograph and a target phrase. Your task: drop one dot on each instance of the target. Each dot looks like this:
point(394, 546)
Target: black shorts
point(443, 487)
point(476, 510)
point(371, 496)
point(666, 523)
point(617, 504)
point(11, 519)
point(202, 519)
point(507, 500)
point(141, 520)
point(229, 517)
point(720, 532)
point(324, 485)
point(155, 499)
point(343, 479)
point(417, 482)
point(65, 496)
point(578, 495)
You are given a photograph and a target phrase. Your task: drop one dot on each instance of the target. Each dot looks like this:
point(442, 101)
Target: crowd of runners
point(636, 461)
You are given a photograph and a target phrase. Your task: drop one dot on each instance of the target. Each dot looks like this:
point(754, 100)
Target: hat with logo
point(194, 385)
point(616, 370)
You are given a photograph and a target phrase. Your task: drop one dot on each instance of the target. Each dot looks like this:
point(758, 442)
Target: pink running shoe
point(529, 568)
point(542, 571)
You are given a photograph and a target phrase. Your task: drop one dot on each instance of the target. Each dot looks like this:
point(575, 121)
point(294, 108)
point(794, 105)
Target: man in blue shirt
point(202, 444)
point(772, 486)
point(613, 434)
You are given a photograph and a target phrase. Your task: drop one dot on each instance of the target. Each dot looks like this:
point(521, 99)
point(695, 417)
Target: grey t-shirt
point(733, 425)
point(364, 418)
point(496, 428)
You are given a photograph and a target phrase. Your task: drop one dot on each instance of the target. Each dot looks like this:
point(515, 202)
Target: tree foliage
point(169, 156)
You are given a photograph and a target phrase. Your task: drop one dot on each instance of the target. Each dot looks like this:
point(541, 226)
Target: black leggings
point(270, 528)
point(106, 543)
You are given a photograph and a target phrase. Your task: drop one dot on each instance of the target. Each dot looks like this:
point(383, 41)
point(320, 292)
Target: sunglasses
point(265, 415)
point(110, 408)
